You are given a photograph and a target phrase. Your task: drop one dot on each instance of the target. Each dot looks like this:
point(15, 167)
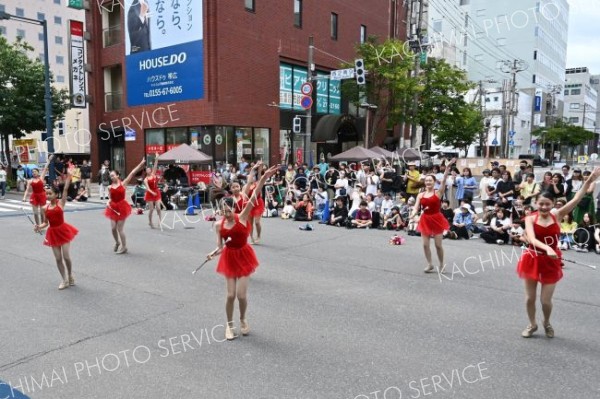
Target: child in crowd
point(584, 235)
point(378, 200)
point(339, 214)
point(516, 234)
point(406, 208)
point(567, 229)
point(362, 218)
point(387, 204)
point(394, 221)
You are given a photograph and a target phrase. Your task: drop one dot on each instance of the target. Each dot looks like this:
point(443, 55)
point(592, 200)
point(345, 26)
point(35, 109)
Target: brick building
point(223, 76)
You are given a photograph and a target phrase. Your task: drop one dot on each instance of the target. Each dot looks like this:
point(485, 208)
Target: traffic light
point(359, 71)
point(297, 124)
point(61, 128)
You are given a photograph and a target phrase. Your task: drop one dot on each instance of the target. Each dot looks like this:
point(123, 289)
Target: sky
point(584, 35)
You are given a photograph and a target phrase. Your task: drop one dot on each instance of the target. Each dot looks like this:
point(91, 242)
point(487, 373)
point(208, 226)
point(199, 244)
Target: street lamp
point(47, 95)
point(368, 107)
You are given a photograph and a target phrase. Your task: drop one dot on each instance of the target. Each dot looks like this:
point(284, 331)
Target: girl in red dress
point(541, 262)
point(259, 206)
point(432, 222)
point(238, 259)
point(38, 196)
point(59, 234)
point(152, 195)
point(117, 208)
point(238, 197)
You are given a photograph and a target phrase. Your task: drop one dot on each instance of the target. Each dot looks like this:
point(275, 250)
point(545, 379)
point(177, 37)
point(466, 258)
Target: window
point(575, 92)
point(58, 40)
point(2, 8)
point(2, 30)
point(533, 79)
point(574, 106)
point(249, 4)
point(41, 36)
point(334, 26)
point(21, 33)
point(363, 34)
point(20, 12)
point(56, 1)
point(60, 59)
point(574, 119)
point(535, 54)
point(58, 20)
point(60, 79)
point(298, 13)
point(464, 2)
point(566, 92)
point(41, 16)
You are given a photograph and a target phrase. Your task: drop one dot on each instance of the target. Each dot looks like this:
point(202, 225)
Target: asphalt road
point(334, 313)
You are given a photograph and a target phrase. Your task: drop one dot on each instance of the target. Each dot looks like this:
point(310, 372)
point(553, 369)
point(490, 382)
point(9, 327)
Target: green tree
point(389, 86)
point(564, 134)
point(22, 106)
point(442, 96)
point(459, 125)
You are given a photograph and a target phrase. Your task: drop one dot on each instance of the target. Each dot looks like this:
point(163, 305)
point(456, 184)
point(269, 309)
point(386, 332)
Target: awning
point(329, 126)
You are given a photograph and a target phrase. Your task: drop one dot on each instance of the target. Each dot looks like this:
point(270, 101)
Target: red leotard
point(432, 221)
point(258, 207)
point(152, 185)
point(59, 232)
point(239, 204)
point(238, 258)
point(120, 207)
point(535, 264)
point(38, 196)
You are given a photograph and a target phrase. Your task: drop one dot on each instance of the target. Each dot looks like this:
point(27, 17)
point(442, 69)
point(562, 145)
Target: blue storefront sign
point(164, 51)
point(328, 92)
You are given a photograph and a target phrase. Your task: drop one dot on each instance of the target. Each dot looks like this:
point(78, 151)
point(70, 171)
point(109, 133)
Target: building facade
point(223, 76)
point(581, 102)
point(71, 134)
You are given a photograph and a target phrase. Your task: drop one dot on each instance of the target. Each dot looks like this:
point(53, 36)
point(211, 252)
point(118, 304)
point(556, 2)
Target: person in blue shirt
point(465, 185)
point(463, 223)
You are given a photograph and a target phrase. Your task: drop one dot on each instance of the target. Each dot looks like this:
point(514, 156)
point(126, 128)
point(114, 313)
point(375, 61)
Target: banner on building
point(76, 4)
point(77, 63)
point(538, 101)
point(164, 51)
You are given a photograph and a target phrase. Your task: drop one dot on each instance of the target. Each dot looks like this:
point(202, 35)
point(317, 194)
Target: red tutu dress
point(432, 221)
point(238, 258)
point(118, 204)
point(152, 185)
point(38, 197)
point(258, 207)
point(535, 264)
point(59, 232)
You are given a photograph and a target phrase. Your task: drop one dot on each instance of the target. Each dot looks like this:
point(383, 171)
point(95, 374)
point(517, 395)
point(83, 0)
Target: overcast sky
point(584, 35)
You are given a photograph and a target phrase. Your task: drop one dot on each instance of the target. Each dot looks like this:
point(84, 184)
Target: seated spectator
point(462, 225)
point(271, 206)
point(362, 217)
point(339, 214)
point(378, 200)
point(386, 205)
point(394, 221)
point(82, 195)
point(584, 235)
point(137, 198)
point(321, 200)
point(357, 197)
point(376, 215)
point(516, 234)
point(304, 209)
point(411, 227)
point(406, 208)
point(498, 229)
point(567, 229)
point(288, 210)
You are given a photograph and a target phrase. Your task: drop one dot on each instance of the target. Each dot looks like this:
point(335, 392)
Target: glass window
point(575, 92)
point(176, 136)
point(155, 142)
point(2, 8)
point(60, 59)
point(566, 92)
point(60, 79)
point(21, 33)
point(437, 26)
point(58, 20)
point(261, 144)
point(41, 37)
point(41, 16)
point(574, 106)
point(334, 26)
point(3, 30)
point(249, 5)
point(298, 13)
point(56, 1)
point(225, 145)
point(363, 34)
point(574, 119)
point(243, 137)
point(20, 12)
point(204, 140)
point(58, 40)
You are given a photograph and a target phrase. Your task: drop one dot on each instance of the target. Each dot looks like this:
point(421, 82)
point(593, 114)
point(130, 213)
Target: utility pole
point(308, 133)
point(415, 45)
point(513, 67)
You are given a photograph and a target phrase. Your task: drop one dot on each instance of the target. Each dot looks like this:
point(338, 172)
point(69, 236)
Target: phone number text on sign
point(164, 91)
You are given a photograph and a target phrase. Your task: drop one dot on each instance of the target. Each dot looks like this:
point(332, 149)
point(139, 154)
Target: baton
point(109, 207)
point(29, 217)
point(568, 260)
point(210, 254)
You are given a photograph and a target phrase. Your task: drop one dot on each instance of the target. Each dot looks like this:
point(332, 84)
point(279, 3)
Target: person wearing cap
point(483, 184)
point(462, 224)
point(413, 180)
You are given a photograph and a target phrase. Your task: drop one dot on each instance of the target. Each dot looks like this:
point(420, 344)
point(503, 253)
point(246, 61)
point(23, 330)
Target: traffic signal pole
point(307, 137)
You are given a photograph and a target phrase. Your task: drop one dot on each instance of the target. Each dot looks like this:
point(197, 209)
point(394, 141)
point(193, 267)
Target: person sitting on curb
point(462, 224)
point(362, 218)
point(339, 213)
point(395, 221)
